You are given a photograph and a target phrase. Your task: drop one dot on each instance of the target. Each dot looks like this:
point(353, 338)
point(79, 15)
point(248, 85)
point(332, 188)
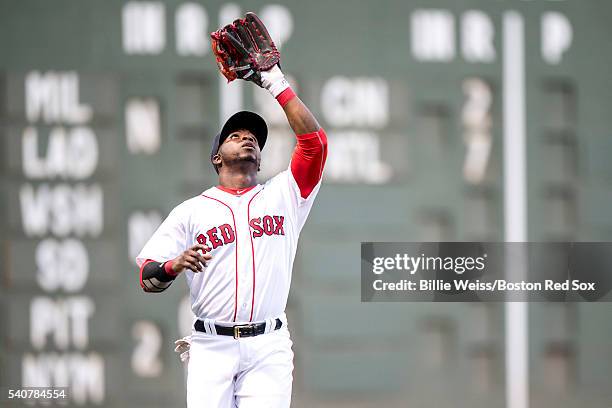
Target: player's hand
point(244, 49)
point(182, 347)
point(192, 259)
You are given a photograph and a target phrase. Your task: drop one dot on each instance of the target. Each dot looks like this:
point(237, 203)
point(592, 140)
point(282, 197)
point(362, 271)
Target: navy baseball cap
point(241, 120)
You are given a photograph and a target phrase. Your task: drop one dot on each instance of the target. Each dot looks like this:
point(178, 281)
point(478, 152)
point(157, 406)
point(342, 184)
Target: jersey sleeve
point(168, 241)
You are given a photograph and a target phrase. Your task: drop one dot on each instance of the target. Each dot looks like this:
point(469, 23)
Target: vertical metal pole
point(515, 204)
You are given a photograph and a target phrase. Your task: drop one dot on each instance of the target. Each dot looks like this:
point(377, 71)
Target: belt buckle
point(237, 330)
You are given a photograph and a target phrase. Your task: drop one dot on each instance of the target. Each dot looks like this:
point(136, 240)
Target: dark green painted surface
point(429, 353)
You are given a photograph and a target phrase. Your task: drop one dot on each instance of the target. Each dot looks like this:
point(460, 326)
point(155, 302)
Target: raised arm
point(300, 118)
point(245, 50)
point(310, 152)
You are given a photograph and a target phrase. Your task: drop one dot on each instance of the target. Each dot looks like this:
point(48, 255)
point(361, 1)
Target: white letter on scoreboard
point(556, 36)
point(87, 378)
point(191, 22)
point(433, 35)
point(477, 35)
point(42, 97)
point(279, 22)
point(143, 128)
point(79, 310)
point(47, 317)
point(144, 27)
point(146, 361)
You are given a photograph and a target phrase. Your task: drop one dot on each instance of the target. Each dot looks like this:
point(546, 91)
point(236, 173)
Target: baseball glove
point(244, 49)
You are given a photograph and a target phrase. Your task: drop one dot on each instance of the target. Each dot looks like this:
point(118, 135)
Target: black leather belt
point(239, 330)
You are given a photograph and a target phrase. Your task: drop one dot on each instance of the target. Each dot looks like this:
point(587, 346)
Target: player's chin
point(249, 151)
point(249, 156)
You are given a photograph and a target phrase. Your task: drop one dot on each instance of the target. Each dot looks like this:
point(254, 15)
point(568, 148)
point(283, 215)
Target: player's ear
point(216, 159)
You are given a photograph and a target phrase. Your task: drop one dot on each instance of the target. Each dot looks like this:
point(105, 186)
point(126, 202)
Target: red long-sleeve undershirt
point(308, 160)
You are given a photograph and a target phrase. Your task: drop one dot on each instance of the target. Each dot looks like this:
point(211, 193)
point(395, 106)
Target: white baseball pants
point(249, 372)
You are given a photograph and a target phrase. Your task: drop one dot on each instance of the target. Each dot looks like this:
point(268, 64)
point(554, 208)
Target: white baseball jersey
point(252, 237)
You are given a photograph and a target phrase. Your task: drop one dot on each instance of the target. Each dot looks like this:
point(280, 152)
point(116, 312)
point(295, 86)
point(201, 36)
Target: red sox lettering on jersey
point(224, 234)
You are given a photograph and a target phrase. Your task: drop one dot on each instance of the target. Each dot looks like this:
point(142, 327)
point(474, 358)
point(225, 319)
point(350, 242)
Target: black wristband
point(156, 270)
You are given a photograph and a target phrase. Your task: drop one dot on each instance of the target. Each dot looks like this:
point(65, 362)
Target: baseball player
point(236, 242)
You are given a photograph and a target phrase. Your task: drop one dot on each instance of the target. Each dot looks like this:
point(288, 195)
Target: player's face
point(240, 145)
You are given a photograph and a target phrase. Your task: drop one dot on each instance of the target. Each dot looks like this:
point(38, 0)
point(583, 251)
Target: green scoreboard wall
point(107, 112)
